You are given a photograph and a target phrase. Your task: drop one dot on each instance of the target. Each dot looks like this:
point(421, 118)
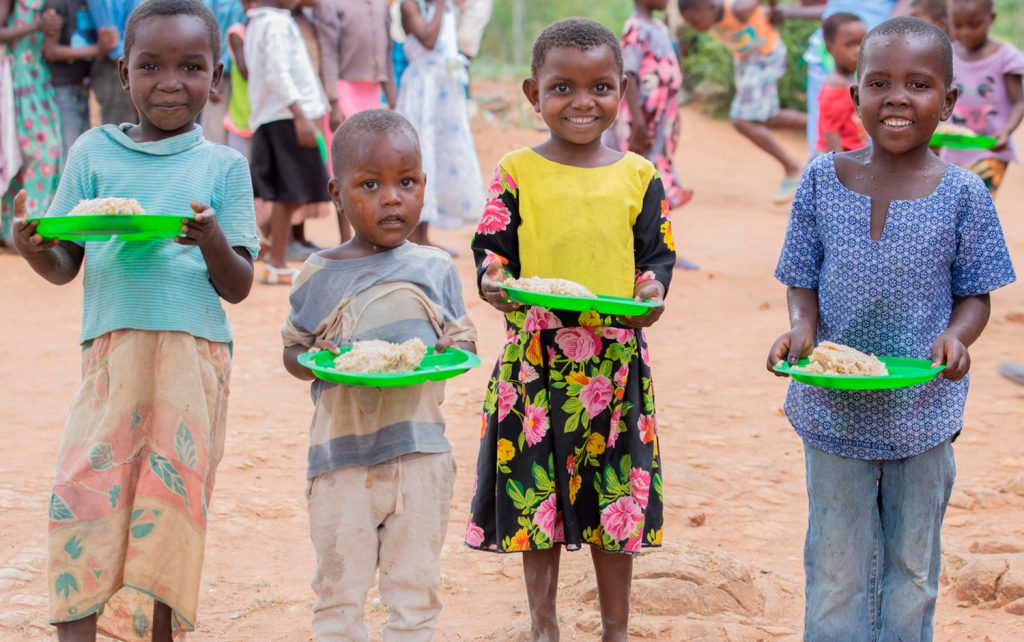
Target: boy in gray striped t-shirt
point(380, 469)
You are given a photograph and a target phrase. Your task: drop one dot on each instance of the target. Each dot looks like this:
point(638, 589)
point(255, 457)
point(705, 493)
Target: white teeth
point(897, 122)
point(581, 121)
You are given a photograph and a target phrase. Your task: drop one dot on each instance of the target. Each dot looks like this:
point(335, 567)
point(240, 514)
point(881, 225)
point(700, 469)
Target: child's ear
point(855, 95)
point(122, 71)
point(532, 92)
point(623, 84)
point(950, 102)
point(218, 73)
point(334, 189)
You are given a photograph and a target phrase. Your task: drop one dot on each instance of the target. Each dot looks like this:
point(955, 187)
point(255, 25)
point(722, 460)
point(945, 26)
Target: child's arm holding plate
point(803, 320)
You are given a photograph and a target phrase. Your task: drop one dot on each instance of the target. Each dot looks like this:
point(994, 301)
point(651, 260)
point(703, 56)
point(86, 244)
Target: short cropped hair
point(691, 4)
point(832, 24)
point(907, 27)
point(576, 33)
point(937, 10)
point(158, 8)
point(985, 4)
point(372, 122)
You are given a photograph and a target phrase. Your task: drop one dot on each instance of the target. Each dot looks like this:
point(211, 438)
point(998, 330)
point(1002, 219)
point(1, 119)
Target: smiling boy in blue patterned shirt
point(891, 251)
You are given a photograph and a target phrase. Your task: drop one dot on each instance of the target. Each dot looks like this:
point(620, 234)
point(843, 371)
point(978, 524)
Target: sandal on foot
point(278, 275)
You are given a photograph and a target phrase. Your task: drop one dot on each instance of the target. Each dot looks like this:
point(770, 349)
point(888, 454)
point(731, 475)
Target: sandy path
point(729, 453)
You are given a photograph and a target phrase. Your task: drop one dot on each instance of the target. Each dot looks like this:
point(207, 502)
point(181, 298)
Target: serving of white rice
point(382, 356)
point(108, 205)
point(836, 359)
point(565, 287)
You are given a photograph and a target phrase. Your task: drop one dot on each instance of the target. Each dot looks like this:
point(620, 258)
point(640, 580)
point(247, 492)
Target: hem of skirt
point(81, 616)
point(187, 625)
point(569, 547)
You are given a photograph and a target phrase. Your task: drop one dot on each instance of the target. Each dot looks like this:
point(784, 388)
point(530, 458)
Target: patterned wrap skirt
point(569, 445)
point(127, 521)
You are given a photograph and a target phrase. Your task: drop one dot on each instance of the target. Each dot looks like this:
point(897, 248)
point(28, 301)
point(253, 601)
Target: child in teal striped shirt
point(146, 430)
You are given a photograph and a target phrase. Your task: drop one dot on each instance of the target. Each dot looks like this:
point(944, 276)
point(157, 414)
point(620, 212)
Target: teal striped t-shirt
point(156, 285)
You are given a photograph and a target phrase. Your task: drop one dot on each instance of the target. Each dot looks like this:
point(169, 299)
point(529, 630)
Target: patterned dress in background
point(432, 96)
point(647, 51)
point(569, 446)
point(37, 119)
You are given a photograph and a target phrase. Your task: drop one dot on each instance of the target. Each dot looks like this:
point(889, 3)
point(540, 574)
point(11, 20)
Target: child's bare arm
point(640, 136)
point(803, 321)
point(966, 323)
point(56, 261)
point(291, 358)
point(230, 268)
point(415, 25)
point(1015, 92)
point(238, 53)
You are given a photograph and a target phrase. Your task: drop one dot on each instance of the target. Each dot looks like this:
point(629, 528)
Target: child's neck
point(592, 154)
point(147, 132)
point(846, 74)
point(356, 248)
point(981, 51)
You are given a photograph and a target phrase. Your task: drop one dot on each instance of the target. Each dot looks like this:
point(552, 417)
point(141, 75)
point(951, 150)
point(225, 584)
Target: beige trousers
point(392, 517)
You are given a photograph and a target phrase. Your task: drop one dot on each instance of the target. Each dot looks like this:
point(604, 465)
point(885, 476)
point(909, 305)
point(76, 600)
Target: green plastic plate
point(101, 227)
point(434, 367)
point(962, 141)
point(903, 373)
point(616, 305)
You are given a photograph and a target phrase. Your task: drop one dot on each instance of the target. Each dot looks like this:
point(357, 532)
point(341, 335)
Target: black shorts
point(282, 170)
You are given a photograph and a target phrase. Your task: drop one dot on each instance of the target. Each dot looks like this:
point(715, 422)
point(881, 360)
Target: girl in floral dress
point(648, 122)
point(35, 109)
point(569, 449)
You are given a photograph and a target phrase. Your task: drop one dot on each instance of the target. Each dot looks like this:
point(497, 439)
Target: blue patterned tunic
point(888, 297)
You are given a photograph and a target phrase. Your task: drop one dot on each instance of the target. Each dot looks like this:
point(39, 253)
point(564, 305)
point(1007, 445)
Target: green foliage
point(1009, 24)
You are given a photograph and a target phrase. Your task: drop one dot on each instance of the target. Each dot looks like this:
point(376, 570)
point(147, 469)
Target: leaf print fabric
point(136, 472)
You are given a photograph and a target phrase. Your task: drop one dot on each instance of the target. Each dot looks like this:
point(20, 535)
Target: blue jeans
point(872, 553)
point(73, 103)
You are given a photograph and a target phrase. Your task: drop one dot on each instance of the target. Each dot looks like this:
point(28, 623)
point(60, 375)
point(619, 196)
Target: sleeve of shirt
point(632, 49)
point(497, 236)
point(654, 248)
point(1013, 61)
point(832, 111)
point(296, 331)
point(235, 212)
point(802, 251)
point(275, 55)
point(456, 321)
point(982, 263)
point(74, 183)
point(328, 35)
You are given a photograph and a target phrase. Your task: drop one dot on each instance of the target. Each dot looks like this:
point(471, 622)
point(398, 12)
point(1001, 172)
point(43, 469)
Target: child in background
point(236, 120)
point(71, 43)
point(569, 445)
point(286, 100)
point(839, 127)
point(988, 74)
point(355, 55)
point(36, 141)
point(146, 430)
point(648, 122)
point(893, 252)
point(933, 11)
point(759, 60)
point(227, 13)
point(433, 98)
point(380, 469)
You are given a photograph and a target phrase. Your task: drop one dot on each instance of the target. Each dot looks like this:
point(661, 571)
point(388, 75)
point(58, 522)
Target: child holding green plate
point(891, 251)
point(380, 468)
point(569, 447)
point(146, 430)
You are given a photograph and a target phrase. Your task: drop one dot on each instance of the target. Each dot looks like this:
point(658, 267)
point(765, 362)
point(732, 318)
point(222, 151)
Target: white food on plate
point(565, 287)
point(836, 359)
point(108, 205)
point(382, 356)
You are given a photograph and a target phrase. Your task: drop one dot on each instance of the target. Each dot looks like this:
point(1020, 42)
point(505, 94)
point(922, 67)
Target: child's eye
point(191, 67)
point(562, 88)
point(148, 66)
point(370, 184)
point(407, 182)
point(601, 87)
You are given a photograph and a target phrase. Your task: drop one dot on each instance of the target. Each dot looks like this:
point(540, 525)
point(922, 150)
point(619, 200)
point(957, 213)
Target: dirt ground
point(731, 565)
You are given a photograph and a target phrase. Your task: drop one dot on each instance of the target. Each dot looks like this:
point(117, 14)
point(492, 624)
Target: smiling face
point(577, 92)
point(845, 46)
point(902, 92)
point(970, 22)
point(381, 188)
point(169, 71)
